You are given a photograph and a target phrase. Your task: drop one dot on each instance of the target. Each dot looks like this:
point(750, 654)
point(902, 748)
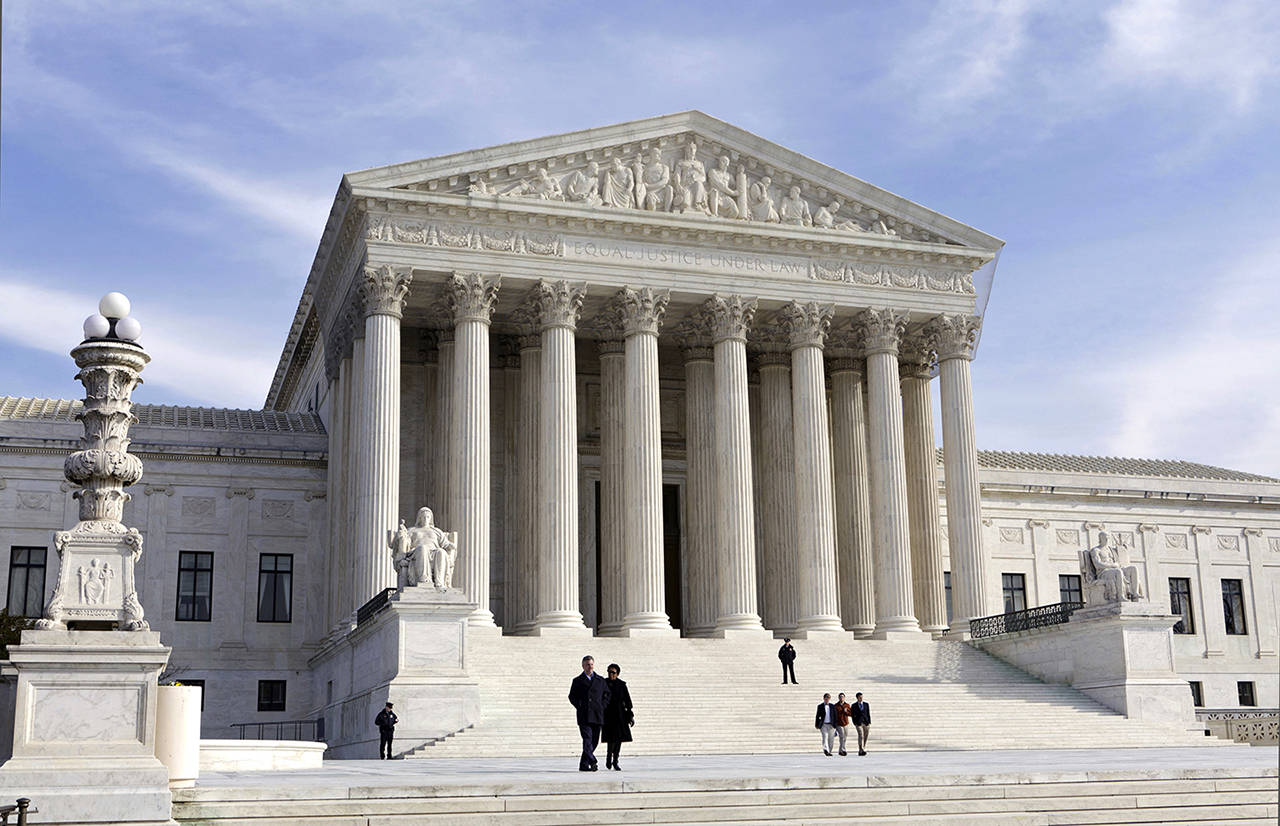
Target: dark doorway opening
point(671, 571)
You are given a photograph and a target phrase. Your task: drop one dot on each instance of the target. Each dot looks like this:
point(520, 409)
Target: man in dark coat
point(386, 723)
point(860, 714)
point(788, 656)
point(825, 722)
point(589, 694)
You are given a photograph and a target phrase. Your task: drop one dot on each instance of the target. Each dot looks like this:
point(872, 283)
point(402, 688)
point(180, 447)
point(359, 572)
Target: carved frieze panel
point(1124, 537)
point(1274, 544)
point(1068, 536)
point(464, 236)
point(1227, 542)
point(198, 507)
point(1011, 535)
point(34, 500)
point(1175, 541)
point(277, 509)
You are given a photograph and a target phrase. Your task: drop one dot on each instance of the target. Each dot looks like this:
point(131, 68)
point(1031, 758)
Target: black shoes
point(862, 754)
point(616, 767)
point(827, 753)
point(844, 753)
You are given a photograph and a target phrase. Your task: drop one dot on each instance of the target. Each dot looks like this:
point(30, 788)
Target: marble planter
point(178, 733)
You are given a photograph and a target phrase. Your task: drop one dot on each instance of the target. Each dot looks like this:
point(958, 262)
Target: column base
point(645, 621)
point(901, 635)
point(609, 629)
point(700, 632)
point(732, 623)
point(649, 632)
point(565, 630)
point(860, 631)
point(818, 624)
point(959, 630)
point(741, 634)
point(896, 626)
point(481, 619)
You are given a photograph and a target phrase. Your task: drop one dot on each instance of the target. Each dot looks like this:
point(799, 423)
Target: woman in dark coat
point(618, 718)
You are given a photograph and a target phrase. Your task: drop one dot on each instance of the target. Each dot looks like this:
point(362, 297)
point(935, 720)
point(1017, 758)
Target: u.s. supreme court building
point(664, 379)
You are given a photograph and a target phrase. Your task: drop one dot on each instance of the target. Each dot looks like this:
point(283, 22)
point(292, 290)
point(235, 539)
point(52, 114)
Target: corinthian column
point(641, 313)
point(915, 364)
point(354, 482)
point(882, 329)
point(806, 326)
point(952, 336)
point(777, 475)
point(700, 490)
point(613, 507)
point(558, 305)
point(378, 448)
point(443, 457)
point(730, 317)
point(525, 584)
point(853, 502)
point(471, 298)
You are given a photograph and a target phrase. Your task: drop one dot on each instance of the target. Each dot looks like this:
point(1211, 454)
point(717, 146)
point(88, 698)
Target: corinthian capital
point(916, 357)
point(471, 296)
point(641, 310)
point(806, 324)
point(881, 329)
point(384, 289)
point(730, 316)
point(953, 335)
point(557, 303)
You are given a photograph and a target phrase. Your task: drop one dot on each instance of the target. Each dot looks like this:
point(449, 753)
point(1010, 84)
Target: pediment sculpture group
point(423, 553)
point(687, 187)
point(1106, 575)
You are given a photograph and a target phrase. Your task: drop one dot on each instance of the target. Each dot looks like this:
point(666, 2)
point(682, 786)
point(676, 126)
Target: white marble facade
point(732, 343)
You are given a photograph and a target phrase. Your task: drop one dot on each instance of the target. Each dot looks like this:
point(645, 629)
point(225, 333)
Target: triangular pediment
point(686, 164)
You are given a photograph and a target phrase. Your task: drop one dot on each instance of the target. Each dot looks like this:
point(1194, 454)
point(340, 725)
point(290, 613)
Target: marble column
point(529, 503)
point(613, 508)
point(354, 468)
point(471, 298)
point(806, 326)
point(882, 330)
point(700, 490)
point(777, 475)
point(952, 337)
point(853, 496)
point(443, 455)
point(558, 305)
point(511, 438)
point(641, 312)
point(378, 447)
point(335, 494)
point(915, 368)
point(730, 318)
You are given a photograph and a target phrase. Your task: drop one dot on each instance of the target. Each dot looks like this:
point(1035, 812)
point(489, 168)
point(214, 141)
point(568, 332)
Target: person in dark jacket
point(860, 714)
point(787, 653)
point(386, 723)
point(618, 718)
point(589, 694)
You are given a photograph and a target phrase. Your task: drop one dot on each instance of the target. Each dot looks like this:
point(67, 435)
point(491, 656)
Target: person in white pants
point(825, 722)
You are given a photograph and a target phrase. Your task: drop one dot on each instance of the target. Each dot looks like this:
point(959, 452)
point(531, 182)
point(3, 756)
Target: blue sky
point(186, 154)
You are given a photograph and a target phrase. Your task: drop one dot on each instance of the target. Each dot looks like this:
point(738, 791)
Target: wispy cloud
point(201, 357)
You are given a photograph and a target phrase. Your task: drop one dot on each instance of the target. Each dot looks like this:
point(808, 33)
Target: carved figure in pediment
point(1106, 573)
point(541, 186)
point(762, 208)
point(794, 209)
point(880, 228)
point(691, 182)
point(584, 187)
point(617, 189)
point(723, 196)
point(653, 183)
point(479, 187)
point(825, 218)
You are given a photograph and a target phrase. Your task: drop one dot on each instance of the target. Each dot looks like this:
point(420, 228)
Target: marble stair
point(697, 696)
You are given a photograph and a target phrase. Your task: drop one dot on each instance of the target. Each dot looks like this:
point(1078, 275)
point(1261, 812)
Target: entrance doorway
point(672, 573)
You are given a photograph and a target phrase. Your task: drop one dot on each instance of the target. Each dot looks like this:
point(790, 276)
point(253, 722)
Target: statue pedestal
point(413, 653)
point(1118, 653)
point(84, 729)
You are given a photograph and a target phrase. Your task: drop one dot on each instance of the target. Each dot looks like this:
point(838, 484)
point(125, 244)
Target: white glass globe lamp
point(96, 326)
point(114, 305)
point(128, 329)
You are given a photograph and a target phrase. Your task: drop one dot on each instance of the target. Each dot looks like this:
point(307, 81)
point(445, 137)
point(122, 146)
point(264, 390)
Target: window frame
point(1243, 686)
point(1188, 621)
point(1007, 591)
point(196, 557)
point(27, 568)
point(1235, 622)
point(1077, 588)
point(267, 703)
point(1197, 693)
point(199, 683)
point(272, 575)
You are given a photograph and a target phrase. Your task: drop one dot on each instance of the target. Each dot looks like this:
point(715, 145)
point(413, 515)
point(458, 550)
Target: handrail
point(1038, 617)
point(375, 604)
point(306, 730)
point(23, 807)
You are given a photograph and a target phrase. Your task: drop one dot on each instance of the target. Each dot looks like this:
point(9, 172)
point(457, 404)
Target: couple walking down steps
point(604, 709)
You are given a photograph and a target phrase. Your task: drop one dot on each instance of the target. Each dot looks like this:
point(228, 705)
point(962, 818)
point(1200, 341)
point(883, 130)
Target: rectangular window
point(1233, 606)
point(1245, 692)
point(1015, 592)
point(197, 683)
point(26, 582)
point(195, 586)
point(1069, 588)
point(1197, 693)
point(946, 585)
point(271, 695)
point(1180, 605)
point(275, 587)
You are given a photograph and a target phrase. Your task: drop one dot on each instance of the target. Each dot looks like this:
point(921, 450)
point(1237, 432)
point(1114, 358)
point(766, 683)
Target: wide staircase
point(695, 696)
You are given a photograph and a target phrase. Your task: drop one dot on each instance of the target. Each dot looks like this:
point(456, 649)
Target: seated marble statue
point(825, 218)
point(1105, 571)
point(438, 548)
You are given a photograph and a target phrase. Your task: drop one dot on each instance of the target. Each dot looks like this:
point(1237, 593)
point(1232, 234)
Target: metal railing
point(375, 604)
point(23, 807)
point(1038, 617)
point(306, 730)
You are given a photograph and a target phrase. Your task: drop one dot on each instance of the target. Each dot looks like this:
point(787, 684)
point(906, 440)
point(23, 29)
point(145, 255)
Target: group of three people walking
point(604, 711)
point(834, 719)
